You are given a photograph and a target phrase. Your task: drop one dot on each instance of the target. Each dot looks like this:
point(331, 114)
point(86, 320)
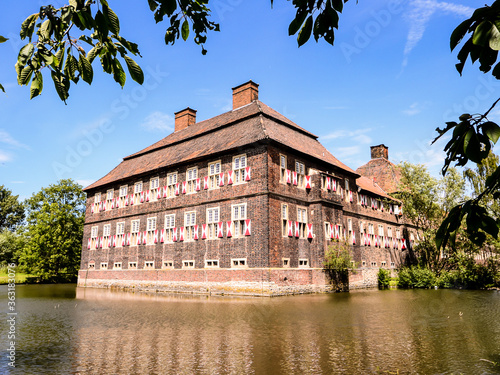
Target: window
point(239, 215)
point(371, 233)
point(123, 195)
point(374, 264)
point(381, 231)
point(171, 181)
point(301, 172)
point(93, 237)
point(303, 263)
point(189, 223)
point(168, 264)
point(97, 201)
point(134, 229)
point(347, 185)
point(191, 176)
point(348, 193)
point(137, 192)
point(154, 185)
point(389, 232)
point(149, 265)
point(392, 264)
point(398, 234)
point(213, 174)
point(109, 197)
point(282, 168)
point(383, 264)
point(106, 231)
point(286, 262)
point(169, 227)
point(302, 220)
point(363, 263)
point(132, 265)
point(151, 228)
point(92, 266)
point(120, 232)
point(327, 230)
point(349, 229)
point(284, 220)
point(239, 263)
point(188, 264)
point(117, 266)
point(239, 165)
point(213, 263)
point(104, 266)
point(212, 220)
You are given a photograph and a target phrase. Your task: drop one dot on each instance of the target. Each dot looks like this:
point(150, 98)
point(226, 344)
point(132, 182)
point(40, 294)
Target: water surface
point(62, 329)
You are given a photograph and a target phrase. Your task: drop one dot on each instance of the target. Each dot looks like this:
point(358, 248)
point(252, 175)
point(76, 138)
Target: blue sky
point(389, 78)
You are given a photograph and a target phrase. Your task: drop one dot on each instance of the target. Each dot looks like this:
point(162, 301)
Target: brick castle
point(246, 202)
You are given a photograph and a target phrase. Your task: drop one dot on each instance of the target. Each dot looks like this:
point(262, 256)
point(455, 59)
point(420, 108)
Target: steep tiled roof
point(385, 173)
point(237, 128)
point(371, 186)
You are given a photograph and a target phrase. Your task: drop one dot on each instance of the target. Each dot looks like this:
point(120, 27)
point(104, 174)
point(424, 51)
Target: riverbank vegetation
point(43, 234)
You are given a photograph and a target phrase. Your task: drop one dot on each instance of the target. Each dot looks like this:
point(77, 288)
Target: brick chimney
point(245, 94)
point(380, 151)
point(184, 118)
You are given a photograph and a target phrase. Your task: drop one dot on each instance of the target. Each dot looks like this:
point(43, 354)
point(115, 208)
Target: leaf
point(482, 33)
point(28, 25)
point(459, 33)
point(45, 30)
point(71, 66)
point(85, 68)
point(134, 70)
point(491, 130)
point(118, 72)
point(338, 5)
point(185, 30)
point(25, 75)
point(112, 20)
point(305, 32)
point(93, 53)
point(61, 84)
point(36, 85)
point(297, 23)
point(1, 88)
point(472, 147)
point(3, 39)
point(25, 54)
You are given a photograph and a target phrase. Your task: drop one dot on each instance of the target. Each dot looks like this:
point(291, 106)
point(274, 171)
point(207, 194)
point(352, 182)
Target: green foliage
point(384, 278)
point(54, 232)
point(337, 264)
point(416, 277)
point(11, 210)
point(11, 245)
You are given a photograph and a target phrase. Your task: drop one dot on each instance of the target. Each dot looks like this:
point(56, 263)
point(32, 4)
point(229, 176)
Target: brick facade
point(288, 197)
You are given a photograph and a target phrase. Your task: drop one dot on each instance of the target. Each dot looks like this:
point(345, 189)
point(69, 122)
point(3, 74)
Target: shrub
point(416, 277)
point(338, 262)
point(384, 278)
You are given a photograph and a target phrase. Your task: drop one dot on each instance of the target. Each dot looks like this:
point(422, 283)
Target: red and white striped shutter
point(401, 211)
point(156, 236)
point(176, 189)
point(220, 229)
point(92, 208)
point(309, 231)
point(229, 230)
point(248, 227)
point(205, 183)
point(221, 179)
point(103, 206)
point(174, 235)
point(308, 182)
point(289, 225)
point(248, 173)
point(148, 195)
point(230, 175)
point(353, 238)
point(288, 176)
point(350, 196)
point(89, 243)
point(102, 242)
point(364, 239)
point(204, 231)
point(382, 206)
point(129, 235)
point(126, 200)
point(297, 233)
point(100, 206)
point(334, 184)
point(162, 236)
point(198, 184)
point(184, 185)
point(195, 232)
point(165, 189)
point(114, 240)
point(294, 178)
point(144, 238)
point(332, 232)
point(403, 244)
point(123, 239)
point(337, 232)
point(345, 234)
point(181, 234)
point(139, 238)
point(158, 193)
point(390, 209)
point(112, 203)
point(328, 183)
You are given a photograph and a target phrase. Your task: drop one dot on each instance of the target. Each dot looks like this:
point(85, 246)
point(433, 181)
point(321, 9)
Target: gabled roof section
point(237, 128)
point(384, 172)
point(370, 186)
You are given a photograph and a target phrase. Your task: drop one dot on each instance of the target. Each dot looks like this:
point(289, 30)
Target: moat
point(61, 329)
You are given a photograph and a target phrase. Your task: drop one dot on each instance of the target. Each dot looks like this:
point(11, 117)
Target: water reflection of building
point(245, 202)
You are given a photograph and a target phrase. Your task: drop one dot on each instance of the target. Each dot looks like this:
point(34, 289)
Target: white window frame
point(110, 194)
point(213, 174)
point(188, 263)
point(149, 265)
point(238, 217)
point(239, 263)
point(301, 212)
point(189, 225)
point(212, 263)
point(132, 265)
point(284, 219)
point(120, 232)
point(283, 168)
point(213, 218)
point(239, 165)
point(138, 187)
point(117, 265)
point(97, 200)
point(172, 179)
point(285, 262)
point(103, 266)
point(106, 234)
point(154, 185)
point(169, 228)
point(168, 264)
point(300, 169)
point(303, 263)
point(150, 229)
point(123, 192)
point(191, 176)
point(135, 226)
point(94, 234)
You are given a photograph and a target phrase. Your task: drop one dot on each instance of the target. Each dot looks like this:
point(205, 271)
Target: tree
point(337, 265)
point(11, 245)
point(11, 210)
point(54, 231)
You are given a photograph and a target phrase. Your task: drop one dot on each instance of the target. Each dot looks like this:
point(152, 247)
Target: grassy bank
point(20, 277)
